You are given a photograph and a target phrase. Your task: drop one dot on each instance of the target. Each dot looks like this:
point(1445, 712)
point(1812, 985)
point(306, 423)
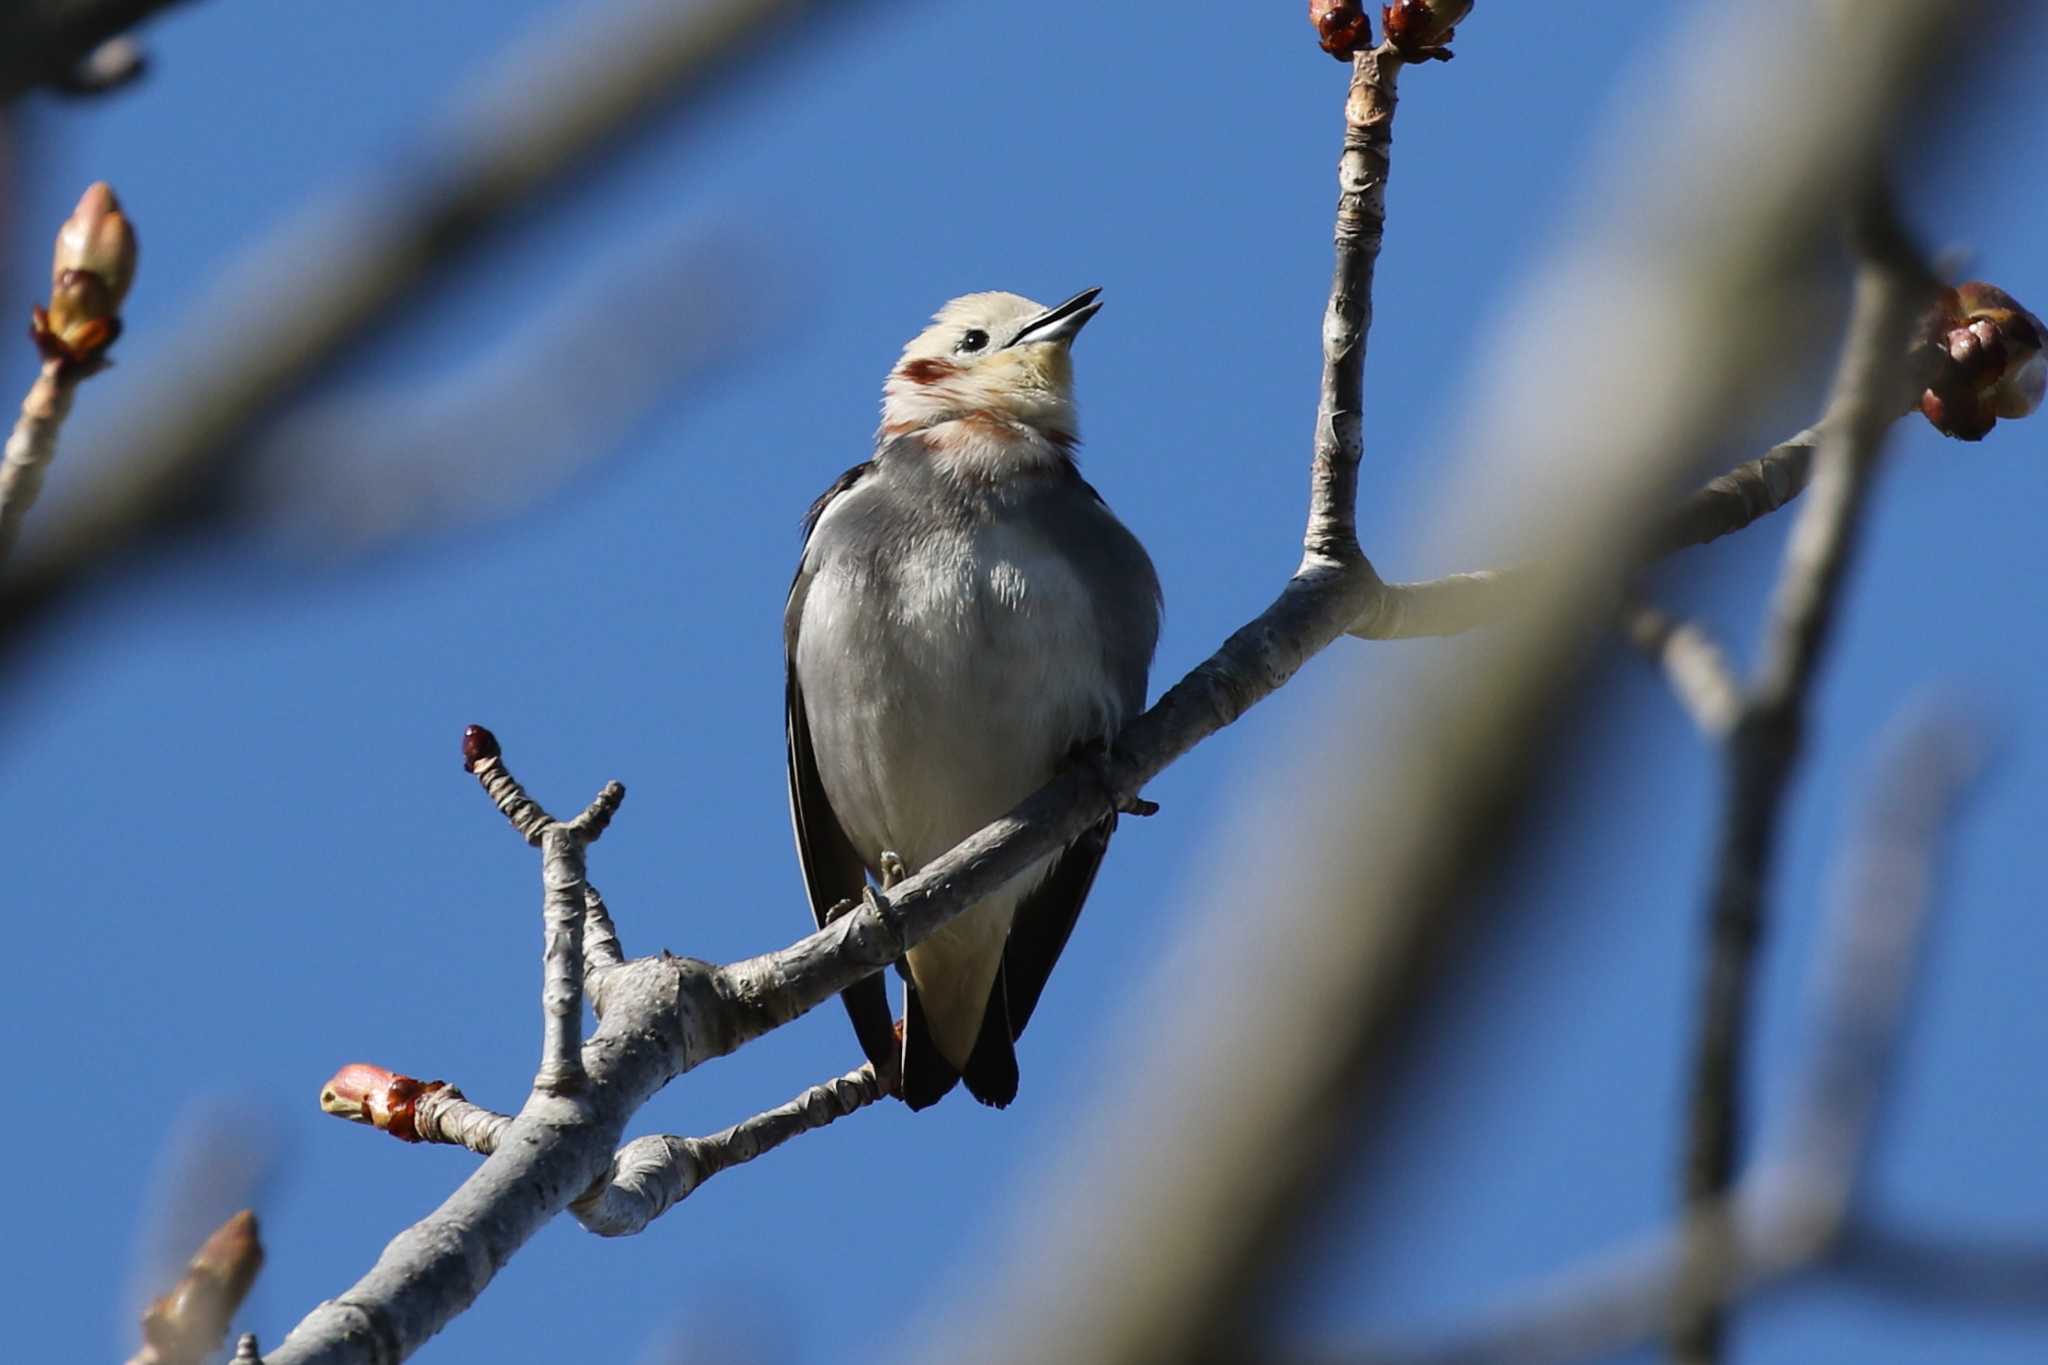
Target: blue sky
point(250, 853)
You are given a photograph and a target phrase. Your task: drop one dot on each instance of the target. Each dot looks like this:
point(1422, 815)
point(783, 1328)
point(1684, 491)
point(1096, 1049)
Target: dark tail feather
point(927, 1075)
point(867, 1004)
point(991, 1073)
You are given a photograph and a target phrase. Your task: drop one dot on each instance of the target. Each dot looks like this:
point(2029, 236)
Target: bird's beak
point(1061, 322)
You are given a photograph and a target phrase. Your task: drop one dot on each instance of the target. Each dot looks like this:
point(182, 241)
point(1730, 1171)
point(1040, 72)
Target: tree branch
point(1789, 1212)
point(552, 105)
point(1764, 742)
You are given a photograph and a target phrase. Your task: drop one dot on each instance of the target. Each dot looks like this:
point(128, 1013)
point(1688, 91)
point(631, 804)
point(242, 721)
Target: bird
point(968, 618)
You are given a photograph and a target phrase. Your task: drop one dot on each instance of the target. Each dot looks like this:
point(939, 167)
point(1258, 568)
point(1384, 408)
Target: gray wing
point(833, 871)
point(1125, 588)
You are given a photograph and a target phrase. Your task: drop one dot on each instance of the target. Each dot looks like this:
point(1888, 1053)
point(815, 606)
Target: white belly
point(936, 704)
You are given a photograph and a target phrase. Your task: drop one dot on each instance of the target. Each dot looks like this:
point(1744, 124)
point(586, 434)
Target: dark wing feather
point(1045, 919)
point(833, 871)
point(1125, 589)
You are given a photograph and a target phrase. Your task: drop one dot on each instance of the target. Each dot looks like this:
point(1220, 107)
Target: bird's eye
point(973, 341)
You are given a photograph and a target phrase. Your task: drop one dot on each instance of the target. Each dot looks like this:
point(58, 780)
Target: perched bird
point(967, 618)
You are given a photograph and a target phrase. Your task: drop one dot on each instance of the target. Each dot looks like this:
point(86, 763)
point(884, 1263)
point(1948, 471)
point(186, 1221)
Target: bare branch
point(648, 1176)
point(651, 1175)
point(1187, 1206)
point(1699, 673)
point(1764, 743)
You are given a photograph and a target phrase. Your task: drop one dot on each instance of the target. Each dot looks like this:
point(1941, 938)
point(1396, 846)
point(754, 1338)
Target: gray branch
point(1790, 1211)
point(1764, 742)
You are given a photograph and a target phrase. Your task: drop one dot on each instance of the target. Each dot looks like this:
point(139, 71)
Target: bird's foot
point(892, 869)
point(1093, 758)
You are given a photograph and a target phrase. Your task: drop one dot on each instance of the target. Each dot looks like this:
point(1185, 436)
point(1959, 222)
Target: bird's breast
point(947, 679)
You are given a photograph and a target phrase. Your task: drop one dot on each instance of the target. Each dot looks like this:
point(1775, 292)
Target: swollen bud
point(1993, 363)
point(1421, 29)
point(90, 272)
point(1341, 27)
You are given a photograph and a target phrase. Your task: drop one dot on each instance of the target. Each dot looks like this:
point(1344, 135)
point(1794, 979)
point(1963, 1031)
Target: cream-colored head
point(990, 364)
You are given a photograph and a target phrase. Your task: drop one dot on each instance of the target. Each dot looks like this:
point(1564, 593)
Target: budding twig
point(186, 1325)
point(90, 272)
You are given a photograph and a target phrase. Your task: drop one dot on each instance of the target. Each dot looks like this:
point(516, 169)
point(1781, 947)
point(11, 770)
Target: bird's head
point(990, 365)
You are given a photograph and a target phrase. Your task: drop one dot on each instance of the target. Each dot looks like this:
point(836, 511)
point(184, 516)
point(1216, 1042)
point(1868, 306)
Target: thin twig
point(1765, 740)
point(647, 1176)
point(1692, 662)
point(31, 446)
point(651, 1175)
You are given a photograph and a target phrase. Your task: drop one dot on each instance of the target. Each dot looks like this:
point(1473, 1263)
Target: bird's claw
point(892, 869)
point(1094, 758)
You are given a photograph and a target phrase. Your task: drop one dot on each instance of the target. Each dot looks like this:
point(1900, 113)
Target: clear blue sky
point(244, 851)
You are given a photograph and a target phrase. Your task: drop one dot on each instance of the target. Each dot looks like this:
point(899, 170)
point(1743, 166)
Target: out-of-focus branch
point(1893, 291)
point(186, 1325)
point(1978, 357)
point(52, 42)
point(1692, 662)
point(555, 103)
point(1791, 1210)
point(344, 473)
point(90, 272)
point(1187, 1206)
point(1459, 602)
point(1948, 1269)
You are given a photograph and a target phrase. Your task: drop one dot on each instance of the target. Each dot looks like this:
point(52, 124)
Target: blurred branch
point(1189, 1206)
point(1789, 1211)
point(1892, 291)
point(340, 474)
point(1459, 602)
point(186, 1325)
point(1946, 1269)
point(327, 283)
point(1692, 662)
point(56, 42)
